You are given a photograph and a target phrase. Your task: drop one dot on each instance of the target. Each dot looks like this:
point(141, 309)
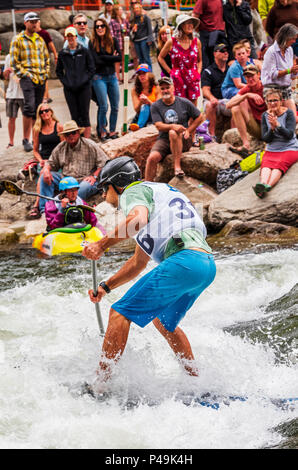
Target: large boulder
point(5, 40)
point(232, 137)
point(240, 202)
point(58, 39)
point(6, 22)
point(200, 164)
point(135, 144)
point(54, 19)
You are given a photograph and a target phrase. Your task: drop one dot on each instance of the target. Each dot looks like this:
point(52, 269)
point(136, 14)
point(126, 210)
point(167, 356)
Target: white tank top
point(173, 212)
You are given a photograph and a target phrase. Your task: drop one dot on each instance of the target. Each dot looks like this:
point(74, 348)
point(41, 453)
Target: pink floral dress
point(184, 72)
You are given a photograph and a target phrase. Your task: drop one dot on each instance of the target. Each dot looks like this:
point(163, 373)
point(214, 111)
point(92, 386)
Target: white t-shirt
point(14, 91)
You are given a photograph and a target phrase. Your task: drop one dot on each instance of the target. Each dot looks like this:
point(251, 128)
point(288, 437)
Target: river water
point(243, 331)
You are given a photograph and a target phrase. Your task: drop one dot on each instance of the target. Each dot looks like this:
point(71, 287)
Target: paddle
point(13, 188)
point(97, 309)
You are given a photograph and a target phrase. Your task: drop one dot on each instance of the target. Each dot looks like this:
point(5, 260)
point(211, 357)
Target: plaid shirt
point(29, 57)
point(117, 30)
point(80, 161)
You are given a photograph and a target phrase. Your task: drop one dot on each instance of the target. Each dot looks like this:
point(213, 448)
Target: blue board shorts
point(169, 290)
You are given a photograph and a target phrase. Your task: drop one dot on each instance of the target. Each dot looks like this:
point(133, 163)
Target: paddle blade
point(11, 188)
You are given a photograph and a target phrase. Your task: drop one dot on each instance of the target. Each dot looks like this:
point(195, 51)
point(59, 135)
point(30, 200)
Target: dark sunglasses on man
point(81, 23)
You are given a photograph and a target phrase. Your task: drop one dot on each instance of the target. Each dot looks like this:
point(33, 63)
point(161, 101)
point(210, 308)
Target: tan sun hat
point(180, 19)
point(71, 126)
point(70, 30)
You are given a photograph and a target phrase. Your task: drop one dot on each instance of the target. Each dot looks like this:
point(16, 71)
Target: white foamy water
point(50, 344)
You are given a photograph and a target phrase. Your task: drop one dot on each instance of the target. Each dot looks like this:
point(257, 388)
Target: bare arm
point(238, 83)
point(136, 102)
point(163, 53)
point(200, 62)
point(135, 220)
point(53, 49)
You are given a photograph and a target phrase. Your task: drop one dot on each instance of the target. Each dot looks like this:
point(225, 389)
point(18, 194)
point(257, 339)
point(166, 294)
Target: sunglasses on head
point(67, 134)
point(44, 111)
point(100, 26)
point(81, 23)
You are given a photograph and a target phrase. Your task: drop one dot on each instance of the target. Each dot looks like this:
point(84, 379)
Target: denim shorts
point(169, 290)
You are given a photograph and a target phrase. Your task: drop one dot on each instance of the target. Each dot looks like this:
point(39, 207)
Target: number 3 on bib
point(184, 210)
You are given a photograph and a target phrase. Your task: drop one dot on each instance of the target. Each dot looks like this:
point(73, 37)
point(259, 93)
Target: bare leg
point(176, 149)
point(151, 165)
point(241, 117)
point(275, 176)
point(265, 175)
point(211, 116)
point(114, 342)
point(87, 132)
point(27, 121)
point(11, 129)
point(179, 344)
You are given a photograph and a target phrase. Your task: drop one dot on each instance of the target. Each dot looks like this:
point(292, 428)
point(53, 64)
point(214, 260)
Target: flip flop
point(179, 173)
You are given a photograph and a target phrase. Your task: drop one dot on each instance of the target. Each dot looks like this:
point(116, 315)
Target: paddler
point(64, 211)
point(168, 230)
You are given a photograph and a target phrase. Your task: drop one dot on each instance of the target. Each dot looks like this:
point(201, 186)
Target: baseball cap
point(167, 80)
point(31, 16)
point(220, 47)
point(143, 68)
point(70, 30)
point(109, 1)
point(250, 69)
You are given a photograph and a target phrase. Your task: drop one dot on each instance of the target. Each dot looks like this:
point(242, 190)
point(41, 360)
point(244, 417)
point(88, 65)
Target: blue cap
point(68, 183)
point(143, 68)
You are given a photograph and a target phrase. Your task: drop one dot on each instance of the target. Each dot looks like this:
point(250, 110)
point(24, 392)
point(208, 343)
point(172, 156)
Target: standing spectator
point(45, 139)
point(161, 40)
point(144, 94)
point(75, 156)
point(108, 11)
point(278, 131)
point(14, 100)
point(264, 6)
point(51, 48)
point(212, 27)
point(247, 109)
point(81, 25)
point(237, 17)
point(75, 69)
point(141, 34)
point(282, 12)
point(30, 62)
point(234, 79)
point(186, 56)
point(105, 52)
point(176, 119)
point(119, 28)
point(278, 65)
point(212, 79)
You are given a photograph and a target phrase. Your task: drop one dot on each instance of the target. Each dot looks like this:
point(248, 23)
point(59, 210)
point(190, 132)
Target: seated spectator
point(161, 40)
point(247, 109)
point(278, 131)
point(119, 29)
point(237, 17)
point(75, 156)
point(176, 119)
point(45, 139)
point(282, 12)
point(247, 46)
point(14, 100)
point(234, 79)
point(144, 94)
point(75, 69)
point(64, 210)
point(278, 65)
point(212, 79)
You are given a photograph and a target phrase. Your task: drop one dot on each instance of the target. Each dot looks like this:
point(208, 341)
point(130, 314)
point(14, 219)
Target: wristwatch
point(105, 287)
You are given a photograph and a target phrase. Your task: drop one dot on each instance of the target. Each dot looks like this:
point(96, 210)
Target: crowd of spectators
point(212, 50)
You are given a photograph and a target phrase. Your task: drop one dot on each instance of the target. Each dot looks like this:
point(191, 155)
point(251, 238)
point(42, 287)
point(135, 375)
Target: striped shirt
point(80, 161)
point(29, 57)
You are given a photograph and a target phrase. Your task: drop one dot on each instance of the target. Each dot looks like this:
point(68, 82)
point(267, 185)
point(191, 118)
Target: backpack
point(252, 162)
point(229, 176)
point(29, 169)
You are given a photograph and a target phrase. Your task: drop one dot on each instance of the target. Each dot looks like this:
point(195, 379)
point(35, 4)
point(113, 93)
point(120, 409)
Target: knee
point(154, 158)
point(173, 135)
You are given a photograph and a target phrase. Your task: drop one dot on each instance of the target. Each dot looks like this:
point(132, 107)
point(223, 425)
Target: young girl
point(161, 40)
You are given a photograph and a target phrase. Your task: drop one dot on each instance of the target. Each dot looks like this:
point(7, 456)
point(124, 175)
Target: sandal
point(34, 213)
point(114, 136)
point(261, 189)
point(9, 146)
point(179, 173)
point(242, 151)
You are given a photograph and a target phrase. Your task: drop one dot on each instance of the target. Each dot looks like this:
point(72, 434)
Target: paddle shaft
point(97, 309)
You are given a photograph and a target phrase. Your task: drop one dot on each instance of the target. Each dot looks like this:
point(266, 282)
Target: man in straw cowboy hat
point(75, 156)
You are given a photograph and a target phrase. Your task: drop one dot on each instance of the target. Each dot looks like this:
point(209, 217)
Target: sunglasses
point(81, 23)
point(100, 26)
point(223, 51)
point(44, 111)
point(67, 134)
point(272, 101)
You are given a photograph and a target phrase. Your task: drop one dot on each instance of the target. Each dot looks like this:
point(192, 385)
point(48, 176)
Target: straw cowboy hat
point(180, 19)
point(71, 126)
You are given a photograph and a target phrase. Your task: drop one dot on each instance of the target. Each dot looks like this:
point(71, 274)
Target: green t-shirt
point(141, 195)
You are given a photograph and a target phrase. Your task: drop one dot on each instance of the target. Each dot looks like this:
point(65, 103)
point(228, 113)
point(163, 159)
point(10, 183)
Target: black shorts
point(33, 96)
point(13, 105)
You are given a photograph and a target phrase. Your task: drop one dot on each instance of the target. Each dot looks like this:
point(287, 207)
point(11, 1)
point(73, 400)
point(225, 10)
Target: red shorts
point(279, 160)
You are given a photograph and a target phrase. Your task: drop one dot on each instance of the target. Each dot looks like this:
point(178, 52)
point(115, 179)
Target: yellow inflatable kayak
point(68, 239)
